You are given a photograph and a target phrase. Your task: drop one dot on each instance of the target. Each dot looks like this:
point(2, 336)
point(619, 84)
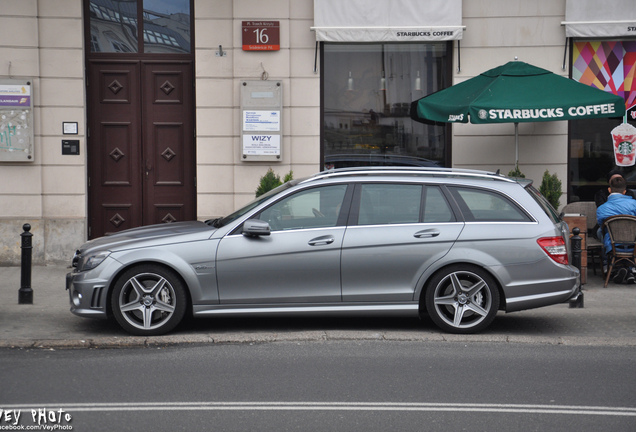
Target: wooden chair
point(593, 246)
point(622, 232)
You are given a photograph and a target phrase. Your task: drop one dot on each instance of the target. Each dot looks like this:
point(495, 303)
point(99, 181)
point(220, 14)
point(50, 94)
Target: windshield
point(220, 222)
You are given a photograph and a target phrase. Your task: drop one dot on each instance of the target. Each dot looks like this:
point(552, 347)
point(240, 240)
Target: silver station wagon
point(456, 245)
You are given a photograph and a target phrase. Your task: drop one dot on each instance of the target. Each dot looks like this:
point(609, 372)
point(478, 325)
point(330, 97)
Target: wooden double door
point(141, 147)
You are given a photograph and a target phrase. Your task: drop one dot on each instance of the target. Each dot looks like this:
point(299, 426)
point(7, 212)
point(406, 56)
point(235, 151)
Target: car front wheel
point(462, 299)
point(148, 300)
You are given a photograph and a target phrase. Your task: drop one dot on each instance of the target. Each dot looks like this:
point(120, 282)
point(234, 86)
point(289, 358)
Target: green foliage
point(271, 181)
point(516, 173)
point(551, 188)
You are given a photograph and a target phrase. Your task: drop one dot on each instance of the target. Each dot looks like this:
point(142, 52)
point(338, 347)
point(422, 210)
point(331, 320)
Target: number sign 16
point(261, 35)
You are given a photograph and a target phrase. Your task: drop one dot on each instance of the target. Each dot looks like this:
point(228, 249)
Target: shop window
point(607, 65)
point(367, 92)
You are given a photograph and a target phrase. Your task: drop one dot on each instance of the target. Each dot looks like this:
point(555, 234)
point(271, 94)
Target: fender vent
point(97, 297)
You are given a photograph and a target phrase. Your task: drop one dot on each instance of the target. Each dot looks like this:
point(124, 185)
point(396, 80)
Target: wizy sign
point(261, 35)
point(265, 145)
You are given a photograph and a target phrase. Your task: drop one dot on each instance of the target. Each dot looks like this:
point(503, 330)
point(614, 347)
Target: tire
point(462, 299)
point(148, 300)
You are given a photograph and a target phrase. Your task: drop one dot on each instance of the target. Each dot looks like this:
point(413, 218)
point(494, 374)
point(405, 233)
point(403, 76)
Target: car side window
point(311, 208)
point(389, 204)
point(436, 208)
point(486, 206)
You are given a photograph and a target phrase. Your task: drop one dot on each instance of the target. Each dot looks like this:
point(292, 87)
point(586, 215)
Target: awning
point(387, 20)
point(600, 18)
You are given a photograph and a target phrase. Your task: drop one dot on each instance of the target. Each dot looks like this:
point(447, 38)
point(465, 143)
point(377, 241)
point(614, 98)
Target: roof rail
point(424, 171)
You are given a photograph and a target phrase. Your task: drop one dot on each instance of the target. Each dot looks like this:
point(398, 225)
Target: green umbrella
point(516, 92)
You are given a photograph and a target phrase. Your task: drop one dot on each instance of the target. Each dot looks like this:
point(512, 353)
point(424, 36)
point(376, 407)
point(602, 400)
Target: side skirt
point(368, 309)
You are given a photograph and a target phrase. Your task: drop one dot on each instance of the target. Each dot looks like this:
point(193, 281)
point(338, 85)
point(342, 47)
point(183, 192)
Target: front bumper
point(87, 299)
point(88, 291)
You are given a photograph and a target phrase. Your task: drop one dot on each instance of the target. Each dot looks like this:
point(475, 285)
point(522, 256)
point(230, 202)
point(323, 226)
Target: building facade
point(140, 108)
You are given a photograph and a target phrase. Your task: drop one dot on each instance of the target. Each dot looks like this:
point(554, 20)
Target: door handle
point(432, 232)
point(320, 241)
point(148, 168)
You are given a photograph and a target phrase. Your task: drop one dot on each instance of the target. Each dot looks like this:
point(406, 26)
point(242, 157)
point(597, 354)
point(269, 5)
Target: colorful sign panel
point(15, 96)
point(16, 120)
point(261, 35)
point(607, 65)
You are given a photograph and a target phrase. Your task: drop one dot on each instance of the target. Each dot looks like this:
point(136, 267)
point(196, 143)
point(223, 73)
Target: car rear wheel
point(148, 300)
point(462, 299)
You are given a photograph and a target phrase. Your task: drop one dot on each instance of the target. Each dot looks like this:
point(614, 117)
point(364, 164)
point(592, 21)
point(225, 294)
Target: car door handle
point(433, 232)
point(324, 240)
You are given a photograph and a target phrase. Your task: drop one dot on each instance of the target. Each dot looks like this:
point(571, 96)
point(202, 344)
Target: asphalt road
point(326, 385)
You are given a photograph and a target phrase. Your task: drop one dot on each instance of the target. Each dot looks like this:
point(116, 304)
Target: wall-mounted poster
point(16, 121)
point(607, 65)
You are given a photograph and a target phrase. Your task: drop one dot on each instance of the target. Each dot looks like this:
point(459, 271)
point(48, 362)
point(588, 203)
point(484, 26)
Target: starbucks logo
point(482, 114)
point(625, 148)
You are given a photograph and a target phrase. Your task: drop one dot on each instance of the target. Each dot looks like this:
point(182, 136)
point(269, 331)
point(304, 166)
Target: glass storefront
point(367, 93)
point(610, 66)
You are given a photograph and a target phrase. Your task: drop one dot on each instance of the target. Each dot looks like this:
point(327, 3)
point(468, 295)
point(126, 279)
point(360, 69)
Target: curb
point(329, 336)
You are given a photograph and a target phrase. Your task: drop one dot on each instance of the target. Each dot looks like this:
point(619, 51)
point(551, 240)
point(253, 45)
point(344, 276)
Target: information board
point(16, 121)
point(261, 120)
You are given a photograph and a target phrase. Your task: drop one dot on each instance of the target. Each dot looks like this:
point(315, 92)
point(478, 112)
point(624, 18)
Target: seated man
point(601, 195)
point(617, 203)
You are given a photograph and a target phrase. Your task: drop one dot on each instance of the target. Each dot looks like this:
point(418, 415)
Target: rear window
point(543, 203)
point(479, 205)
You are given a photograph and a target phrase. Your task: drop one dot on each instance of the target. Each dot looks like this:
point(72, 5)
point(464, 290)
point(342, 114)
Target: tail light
point(555, 248)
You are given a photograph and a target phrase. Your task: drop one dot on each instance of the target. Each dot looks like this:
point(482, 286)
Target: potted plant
point(271, 180)
point(516, 172)
point(551, 188)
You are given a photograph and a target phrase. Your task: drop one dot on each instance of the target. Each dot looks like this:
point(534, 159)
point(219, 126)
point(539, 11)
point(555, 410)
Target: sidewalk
point(608, 318)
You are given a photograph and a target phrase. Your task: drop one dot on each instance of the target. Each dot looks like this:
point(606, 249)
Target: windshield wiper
point(216, 223)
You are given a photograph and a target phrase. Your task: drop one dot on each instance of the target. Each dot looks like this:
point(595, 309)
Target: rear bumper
point(577, 296)
point(547, 293)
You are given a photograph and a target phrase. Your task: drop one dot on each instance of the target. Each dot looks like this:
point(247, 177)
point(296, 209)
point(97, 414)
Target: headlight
point(91, 261)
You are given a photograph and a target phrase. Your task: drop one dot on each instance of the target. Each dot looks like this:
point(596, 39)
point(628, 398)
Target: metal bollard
point(575, 242)
point(25, 294)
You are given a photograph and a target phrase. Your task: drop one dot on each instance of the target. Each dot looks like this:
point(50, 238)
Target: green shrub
point(271, 181)
point(289, 176)
point(516, 173)
point(551, 188)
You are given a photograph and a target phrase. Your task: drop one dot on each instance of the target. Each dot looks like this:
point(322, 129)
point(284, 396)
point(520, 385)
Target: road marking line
point(332, 406)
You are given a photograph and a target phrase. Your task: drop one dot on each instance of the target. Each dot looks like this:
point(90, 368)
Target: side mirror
point(255, 228)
